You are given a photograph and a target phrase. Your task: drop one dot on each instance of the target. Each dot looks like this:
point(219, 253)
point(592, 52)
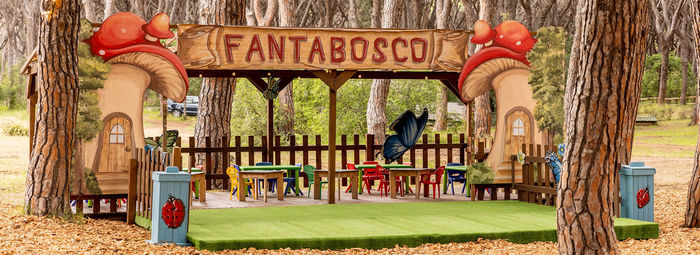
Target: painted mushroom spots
point(139, 62)
point(503, 67)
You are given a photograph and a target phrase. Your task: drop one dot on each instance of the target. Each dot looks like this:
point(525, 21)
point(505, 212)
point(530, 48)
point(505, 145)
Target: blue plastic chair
point(456, 176)
point(272, 182)
point(291, 183)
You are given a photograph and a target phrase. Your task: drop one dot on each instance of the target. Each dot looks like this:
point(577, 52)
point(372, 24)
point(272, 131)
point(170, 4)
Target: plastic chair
point(272, 182)
point(456, 176)
point(384, 182)
point(370, 175)
point(233, 176)
point(427, 180)
point(291, 183)
point(309, 170)
point(350, 167)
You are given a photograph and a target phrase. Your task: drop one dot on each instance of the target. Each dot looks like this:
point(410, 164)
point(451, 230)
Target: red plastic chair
point(384, 182)
point(370, 175)
point(350, 167)
point(426, 180)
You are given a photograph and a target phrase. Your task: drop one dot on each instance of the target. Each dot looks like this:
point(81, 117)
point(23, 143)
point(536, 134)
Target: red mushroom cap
point(482, 32)
point(486, 55)
point(514, 36)
point(159, 26)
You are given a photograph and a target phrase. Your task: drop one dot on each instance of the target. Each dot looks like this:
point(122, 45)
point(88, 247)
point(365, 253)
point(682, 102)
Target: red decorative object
point(173, 212)
point(642, 197)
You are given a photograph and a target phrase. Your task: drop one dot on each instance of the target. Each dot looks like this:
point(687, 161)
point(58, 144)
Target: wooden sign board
point(270, 48)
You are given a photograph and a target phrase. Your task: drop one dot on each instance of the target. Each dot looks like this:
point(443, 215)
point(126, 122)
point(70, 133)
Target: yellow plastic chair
point(233, 175)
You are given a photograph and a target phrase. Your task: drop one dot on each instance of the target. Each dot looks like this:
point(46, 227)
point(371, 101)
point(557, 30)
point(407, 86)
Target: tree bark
point(692, 212)
point(663, 74)
point(376, 104)
point(109, 8)
point(443, 9)
point(482, 104)
point(89, 9)
point(352, 14)
point(216, 94)
point(602, 95)
point(684, 77)
point(47, 190)
point(375, 20)
point(287, 18)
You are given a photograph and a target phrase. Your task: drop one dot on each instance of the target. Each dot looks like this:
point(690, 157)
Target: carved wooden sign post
point(256, 48)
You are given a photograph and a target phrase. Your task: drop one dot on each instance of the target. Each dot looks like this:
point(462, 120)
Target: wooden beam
point(331, 141)
point(406, 75)
point(258, 82)
point(32, 120)
point(452, 85)
point(270, 129)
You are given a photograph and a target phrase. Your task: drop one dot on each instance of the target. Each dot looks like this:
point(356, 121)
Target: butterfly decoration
point(171, 138)
point(521, 157)
point(554, 164)
point(273, 88)
point(408, 129)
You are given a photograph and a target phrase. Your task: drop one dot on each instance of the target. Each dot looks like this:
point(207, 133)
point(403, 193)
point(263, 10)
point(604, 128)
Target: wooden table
point(279, 167)
point(417, 172)
point(386, 166)
point(260, 174)
point(198, 175)
point(340, 173)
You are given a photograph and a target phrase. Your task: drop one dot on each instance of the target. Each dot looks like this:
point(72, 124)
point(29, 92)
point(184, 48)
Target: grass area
point(672, 138)
point(383, 225)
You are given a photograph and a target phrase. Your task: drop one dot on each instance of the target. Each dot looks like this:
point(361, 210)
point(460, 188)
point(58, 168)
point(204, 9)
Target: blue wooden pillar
point(637, 191)
point(170, 209)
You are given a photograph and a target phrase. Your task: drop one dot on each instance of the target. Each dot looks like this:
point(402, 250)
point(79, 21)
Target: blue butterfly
point(408, 129)
point(552, 160)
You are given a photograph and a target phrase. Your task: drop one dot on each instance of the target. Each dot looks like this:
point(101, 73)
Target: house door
point(116, 145)
point(518, 132)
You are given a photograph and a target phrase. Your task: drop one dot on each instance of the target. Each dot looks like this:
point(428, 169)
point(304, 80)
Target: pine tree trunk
point(692, 213)
point(216, 94)
point(47, 191)
point(602, 95)
point(482, 103)
point(286, 96)
point(684, 77)
point(663, 73)
point(443, 9)
point(376, 104)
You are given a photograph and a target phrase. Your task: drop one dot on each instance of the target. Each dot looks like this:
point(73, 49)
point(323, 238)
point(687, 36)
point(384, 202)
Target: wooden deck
point(220, 199)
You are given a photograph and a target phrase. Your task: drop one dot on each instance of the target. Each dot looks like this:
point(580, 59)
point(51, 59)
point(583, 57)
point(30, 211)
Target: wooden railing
point(310, 151)
point(141, 170)
point(96, 210)
point(536, 186)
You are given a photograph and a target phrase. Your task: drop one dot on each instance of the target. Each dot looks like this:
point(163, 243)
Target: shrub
point(480, 173)
point(14, 129)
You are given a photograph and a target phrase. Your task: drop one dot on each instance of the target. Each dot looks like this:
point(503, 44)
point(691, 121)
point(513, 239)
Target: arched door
point(116, 145)
point(518, 131)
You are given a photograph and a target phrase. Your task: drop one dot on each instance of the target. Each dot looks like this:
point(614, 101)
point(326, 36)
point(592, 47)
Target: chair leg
point(438, 189)
point(452, 185)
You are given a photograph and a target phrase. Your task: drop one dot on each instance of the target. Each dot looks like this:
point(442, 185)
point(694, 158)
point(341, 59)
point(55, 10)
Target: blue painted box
point(637, 191)
point(170, 207)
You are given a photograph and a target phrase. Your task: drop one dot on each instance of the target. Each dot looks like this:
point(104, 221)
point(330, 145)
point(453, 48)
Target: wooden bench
point(478, 190)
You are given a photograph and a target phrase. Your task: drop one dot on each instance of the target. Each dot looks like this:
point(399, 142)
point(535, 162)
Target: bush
point(480, 173)
point(666, 112)
point(14, 129)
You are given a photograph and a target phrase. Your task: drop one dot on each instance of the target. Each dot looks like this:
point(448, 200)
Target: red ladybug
point(642, 197)
point(173, 212)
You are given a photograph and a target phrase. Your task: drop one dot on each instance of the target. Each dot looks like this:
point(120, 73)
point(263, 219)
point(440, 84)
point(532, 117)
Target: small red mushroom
point(158, 28)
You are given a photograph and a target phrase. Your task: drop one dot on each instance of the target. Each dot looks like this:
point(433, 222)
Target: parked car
point(177, 109)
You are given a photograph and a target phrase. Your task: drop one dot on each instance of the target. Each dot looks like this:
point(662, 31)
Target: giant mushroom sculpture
point(503, 67)
point(138, 62)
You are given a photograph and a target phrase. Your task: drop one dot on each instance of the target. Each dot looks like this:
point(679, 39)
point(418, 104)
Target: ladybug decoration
point(173, 212)
point(642, 197)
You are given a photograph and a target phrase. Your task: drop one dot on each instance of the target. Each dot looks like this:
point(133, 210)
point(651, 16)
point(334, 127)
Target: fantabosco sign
point(241, 48)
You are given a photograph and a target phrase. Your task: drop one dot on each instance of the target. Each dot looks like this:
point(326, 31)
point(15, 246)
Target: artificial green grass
point(376, 226)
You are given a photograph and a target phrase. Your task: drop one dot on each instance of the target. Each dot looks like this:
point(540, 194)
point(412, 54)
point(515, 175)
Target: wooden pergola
point(334, 79)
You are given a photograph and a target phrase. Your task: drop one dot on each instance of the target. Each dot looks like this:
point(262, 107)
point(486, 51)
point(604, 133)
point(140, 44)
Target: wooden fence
point(141, 169)
point(113, 200)
point(536, 186)
point(312, 153)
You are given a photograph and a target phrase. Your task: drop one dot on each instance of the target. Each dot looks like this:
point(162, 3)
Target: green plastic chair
point(309, 170)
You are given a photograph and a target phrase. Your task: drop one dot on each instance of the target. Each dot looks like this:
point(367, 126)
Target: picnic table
point(340, 173)
point(455, 168)
point(386, 166)
point(198, 178)
point(278, 167)
point(260, 174)
point(417, 172)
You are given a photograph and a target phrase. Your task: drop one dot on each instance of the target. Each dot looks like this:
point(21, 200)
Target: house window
point(116, 135)
point(518, 127)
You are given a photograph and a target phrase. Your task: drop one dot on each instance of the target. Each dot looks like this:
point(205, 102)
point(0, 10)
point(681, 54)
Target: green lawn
point(672, 138)
point(383, 225)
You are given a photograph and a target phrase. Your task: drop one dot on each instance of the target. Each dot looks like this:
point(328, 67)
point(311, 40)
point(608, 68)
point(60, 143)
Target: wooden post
point(270, 129)
point(164, 109)
point(334, 81)
point(177, 158)
point(131, 198)
point(32, 119)
point(369, 147)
